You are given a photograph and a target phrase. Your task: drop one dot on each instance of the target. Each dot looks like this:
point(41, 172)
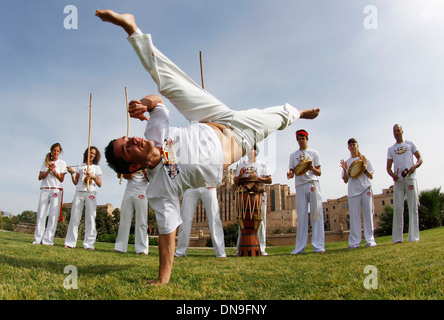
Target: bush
point(230, 235)
point(111, 238)
point(5, 223)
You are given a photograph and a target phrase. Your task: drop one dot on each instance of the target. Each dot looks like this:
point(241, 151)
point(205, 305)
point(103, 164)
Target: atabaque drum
point(249, 217)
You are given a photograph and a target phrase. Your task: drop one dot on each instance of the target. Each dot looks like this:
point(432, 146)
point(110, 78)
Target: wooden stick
point(89, 141)
point(127, 124)
point(127, 113)
point(201, 69)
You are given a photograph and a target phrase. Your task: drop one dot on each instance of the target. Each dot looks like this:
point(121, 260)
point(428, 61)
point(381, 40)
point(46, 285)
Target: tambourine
point(356, 169)
point(302, 167)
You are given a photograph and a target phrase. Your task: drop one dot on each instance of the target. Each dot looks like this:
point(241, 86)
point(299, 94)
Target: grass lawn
point(404, 271)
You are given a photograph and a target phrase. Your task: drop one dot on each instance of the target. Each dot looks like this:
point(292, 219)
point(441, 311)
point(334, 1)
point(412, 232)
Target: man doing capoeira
point(217, 137)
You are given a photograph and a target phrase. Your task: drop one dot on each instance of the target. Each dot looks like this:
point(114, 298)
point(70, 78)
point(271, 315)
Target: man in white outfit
point(359, 194)
point(217, 137)
point(208, 196)
point(400, 155)
point(259, 170)
point(308, 191)
point(134, 201)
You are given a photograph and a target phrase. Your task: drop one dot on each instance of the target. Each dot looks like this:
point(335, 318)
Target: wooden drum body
point(249, 217)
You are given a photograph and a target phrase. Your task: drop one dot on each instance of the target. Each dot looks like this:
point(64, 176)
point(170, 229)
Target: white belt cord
point(316, 199)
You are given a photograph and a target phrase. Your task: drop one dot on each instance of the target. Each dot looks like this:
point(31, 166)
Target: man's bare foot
point(152, 283)
point(124, 20)
point(309, 113)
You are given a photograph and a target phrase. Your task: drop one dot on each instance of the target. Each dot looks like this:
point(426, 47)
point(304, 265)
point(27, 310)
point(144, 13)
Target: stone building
point(108, 207)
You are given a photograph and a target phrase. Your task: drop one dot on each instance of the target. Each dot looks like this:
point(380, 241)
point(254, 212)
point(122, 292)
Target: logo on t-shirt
point(251, 170)
point(401, 150)
point(302, 157)
point(169, 158)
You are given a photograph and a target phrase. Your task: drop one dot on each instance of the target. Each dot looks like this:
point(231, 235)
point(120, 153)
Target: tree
point(386, 222)
point(105, 223)
point(5, 223)
point(431, 209)
point(27, 216)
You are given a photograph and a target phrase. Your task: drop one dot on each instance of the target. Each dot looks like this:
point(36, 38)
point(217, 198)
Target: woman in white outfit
point(85, 196)
point(359, 194)
point(52, 174)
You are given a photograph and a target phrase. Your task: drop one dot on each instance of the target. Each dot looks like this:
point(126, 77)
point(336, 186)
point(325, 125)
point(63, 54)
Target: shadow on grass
point(58, 267)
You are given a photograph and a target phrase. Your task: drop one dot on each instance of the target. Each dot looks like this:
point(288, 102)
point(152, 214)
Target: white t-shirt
point(258, 168)
point(137, 184)
point(51, 181)
point(402, 156)
point(359, 185)
point(81, 169)
point(300, 155)
point(198, 152)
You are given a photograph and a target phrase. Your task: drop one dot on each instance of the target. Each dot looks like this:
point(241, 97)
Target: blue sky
point(256, 53)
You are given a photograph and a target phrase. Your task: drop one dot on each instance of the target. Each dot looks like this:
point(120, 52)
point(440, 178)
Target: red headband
point(303, 132)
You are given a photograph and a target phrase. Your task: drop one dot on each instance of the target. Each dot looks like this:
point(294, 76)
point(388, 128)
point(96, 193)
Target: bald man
point(401, 157)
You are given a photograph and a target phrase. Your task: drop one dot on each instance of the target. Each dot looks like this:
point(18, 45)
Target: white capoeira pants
point(49, 207)
point(261, 231)
point(133, 203)
point(365, 200)
point(88, 200)
point(208, 196)
point(309, 193)
point(197, 105)
point(402, 189)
